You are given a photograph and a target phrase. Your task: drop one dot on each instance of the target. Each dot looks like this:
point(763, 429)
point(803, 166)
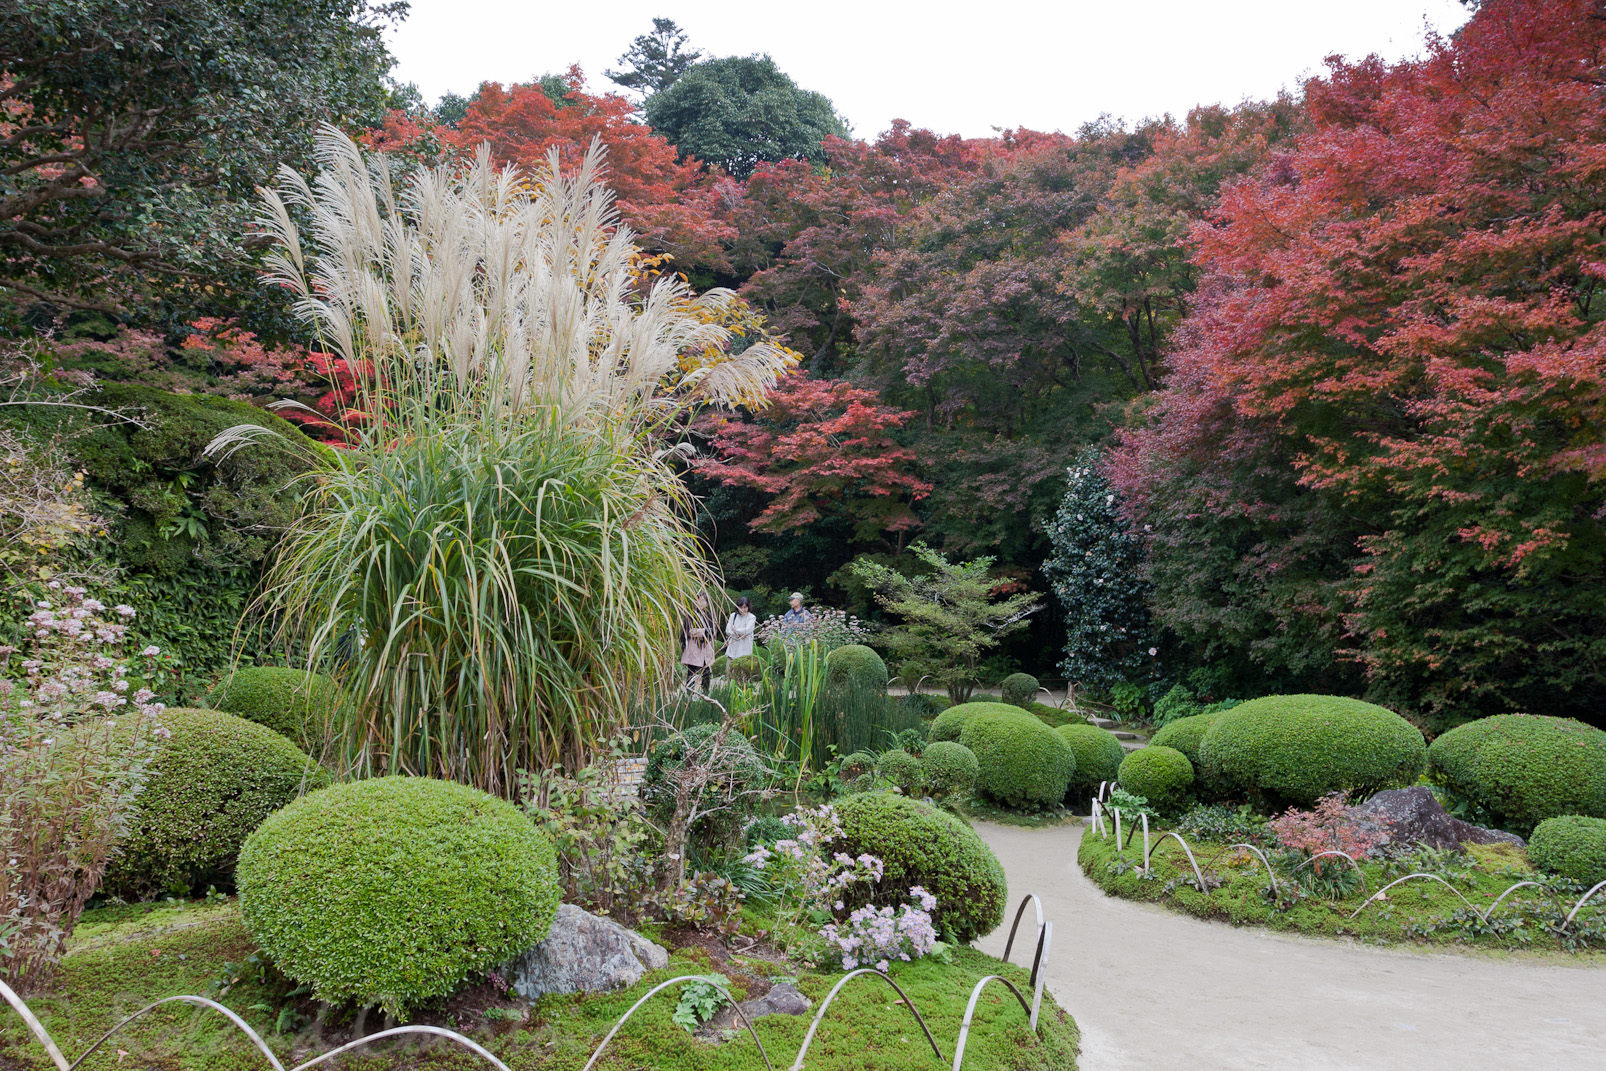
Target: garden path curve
point(1153, 989)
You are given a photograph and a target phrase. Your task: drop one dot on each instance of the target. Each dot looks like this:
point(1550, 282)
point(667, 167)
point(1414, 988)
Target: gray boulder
point(584, 953)
point(1413, 816)
point(780, 1000)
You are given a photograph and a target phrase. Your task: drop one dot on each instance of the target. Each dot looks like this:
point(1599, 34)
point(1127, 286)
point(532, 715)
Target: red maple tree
point(823, 449)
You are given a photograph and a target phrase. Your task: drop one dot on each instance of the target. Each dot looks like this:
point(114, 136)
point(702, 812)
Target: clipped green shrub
point(1522, 768)
point(1054, 717)
point(857, 664)
point(1294, 749)
point(948, 769)
point(1161, 775)
point(396, 890)
point(213, 780)
point(900, 768)
point(951, 723)
point(856, 765)
point(292, 702)
point(745, 668)
point(1018, 689)
point(925, 704)
point(1020, 761)
point(922, 845)
point(1098, 757)
point(1186, 735)
point(1572, 845)
point(740, 770)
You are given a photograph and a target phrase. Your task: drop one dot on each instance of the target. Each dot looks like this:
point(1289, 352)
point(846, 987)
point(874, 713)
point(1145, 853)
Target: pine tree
point(1096, 574)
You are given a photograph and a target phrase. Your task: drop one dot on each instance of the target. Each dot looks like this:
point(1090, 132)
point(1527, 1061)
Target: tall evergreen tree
point(655, 60)
point(1096, 573)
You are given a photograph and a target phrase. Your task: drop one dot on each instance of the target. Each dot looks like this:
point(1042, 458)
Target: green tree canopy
point(133, 132)
point(655, 60)
point(740, 111)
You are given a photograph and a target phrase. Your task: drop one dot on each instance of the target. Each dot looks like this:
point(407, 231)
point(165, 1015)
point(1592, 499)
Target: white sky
point(956, 68)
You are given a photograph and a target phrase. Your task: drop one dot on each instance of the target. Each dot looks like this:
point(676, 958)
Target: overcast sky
point(956, 68)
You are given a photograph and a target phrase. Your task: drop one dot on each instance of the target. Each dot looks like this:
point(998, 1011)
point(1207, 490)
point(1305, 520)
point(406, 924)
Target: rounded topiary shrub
point(1524, 768)
point(212, 781)
point(856, 765)
point(396, 890)
point(1186, 734)
point(948, 769)
point(293, 702)
point(1294, 749)
point(1020, 761)
point(900, 768)
point(740, 769)
point(951, 723)
point(856, 665)
point(922, 845)
point(1098, 757)
point(1161, 775)
point(1018, 689)
point(745, 668)
point(1573, 846)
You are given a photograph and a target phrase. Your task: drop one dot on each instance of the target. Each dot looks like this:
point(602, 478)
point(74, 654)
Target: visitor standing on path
point(698, 632)
point(739, 630)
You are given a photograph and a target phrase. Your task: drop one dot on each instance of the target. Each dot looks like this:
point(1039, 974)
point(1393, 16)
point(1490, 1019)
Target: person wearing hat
point(797, 616)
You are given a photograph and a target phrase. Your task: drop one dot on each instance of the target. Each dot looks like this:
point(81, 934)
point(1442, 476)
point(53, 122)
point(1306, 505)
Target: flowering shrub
point(75, 741)
point(875, 935)
point(1328, 828)
point(810, 879)
point(829, 628)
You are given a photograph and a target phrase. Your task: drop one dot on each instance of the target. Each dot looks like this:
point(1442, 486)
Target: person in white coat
point(739, 631)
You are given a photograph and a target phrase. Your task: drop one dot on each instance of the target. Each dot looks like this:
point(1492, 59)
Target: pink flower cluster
point(75, 668)
point(882, 934)
point(809, 875)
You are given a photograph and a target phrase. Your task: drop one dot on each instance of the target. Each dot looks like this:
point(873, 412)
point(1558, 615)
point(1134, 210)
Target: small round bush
point(922, 845)
point(211, 782)
point(1020, 761)
point(951, 722)
point(1524, 768)
point(765, 830)
point(740, 769)
point(856, 765)
point(1294, 749)
point(1186, 734)
point(1098, 759)
point(857, 665)
point(745, 668)
point(948, 769)
point(1572, 845)
point(396, 890)
point(292, 702)
point(901, 768)
point(1161, 775)
point(1018, 689)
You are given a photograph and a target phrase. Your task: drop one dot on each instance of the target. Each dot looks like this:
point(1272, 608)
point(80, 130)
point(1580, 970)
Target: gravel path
point(1156, 990)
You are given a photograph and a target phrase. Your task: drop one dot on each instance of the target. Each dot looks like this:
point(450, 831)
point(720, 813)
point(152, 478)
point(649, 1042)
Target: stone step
point(1133, 745)
point(1122, 734)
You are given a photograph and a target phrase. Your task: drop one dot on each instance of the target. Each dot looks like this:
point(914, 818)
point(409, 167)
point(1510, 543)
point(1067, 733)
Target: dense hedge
point(922, 845)
point(212, 782)
point(858, 665)
point(948, 769)
point(1018, 689)
point(1020, 761)
point(951, 722)
point(396, 890)
point(1098, 757)
point(1573, 846)
point(925, 704)
point(1523, 768)
point(1186, 735)
point(1294, 749)
point(292, 702)
point(1161, 775)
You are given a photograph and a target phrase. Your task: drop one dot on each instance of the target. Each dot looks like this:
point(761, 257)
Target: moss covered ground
point(125, 957)
point(1419, 912)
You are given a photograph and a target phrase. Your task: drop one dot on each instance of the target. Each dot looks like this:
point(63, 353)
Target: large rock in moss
point(1413, 816)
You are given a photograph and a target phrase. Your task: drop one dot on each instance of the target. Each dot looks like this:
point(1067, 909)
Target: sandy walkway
point(1154, 990)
